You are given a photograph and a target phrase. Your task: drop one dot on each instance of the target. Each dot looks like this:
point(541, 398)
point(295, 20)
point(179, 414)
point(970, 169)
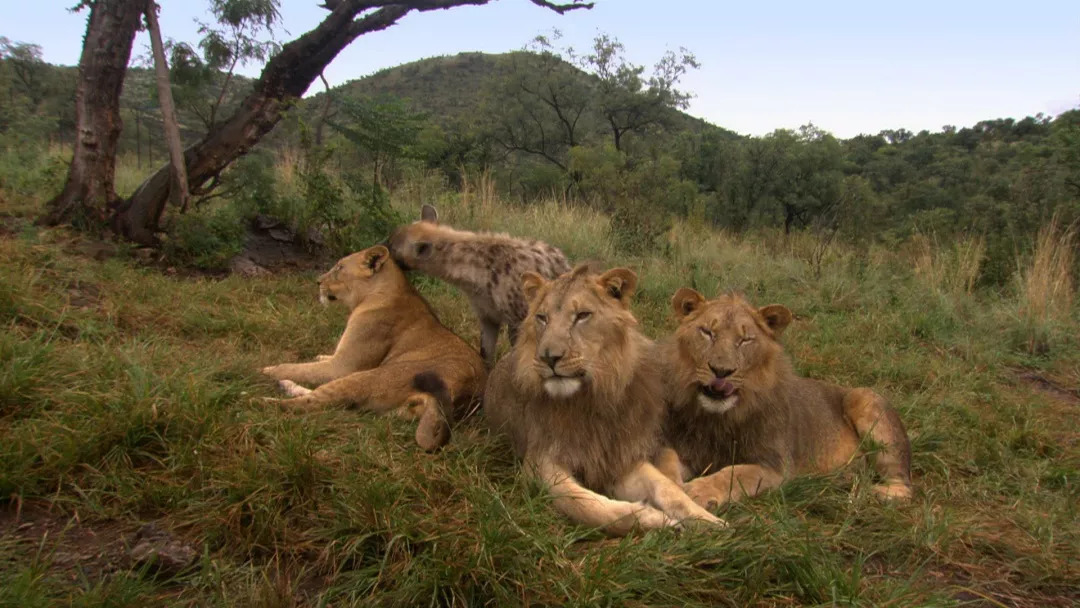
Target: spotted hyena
point(486, 266)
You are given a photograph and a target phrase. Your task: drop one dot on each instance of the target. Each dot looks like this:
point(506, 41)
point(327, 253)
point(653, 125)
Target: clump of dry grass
point(951, 270)
point(1046, 285)
point(479, 193)
point(1046, 290)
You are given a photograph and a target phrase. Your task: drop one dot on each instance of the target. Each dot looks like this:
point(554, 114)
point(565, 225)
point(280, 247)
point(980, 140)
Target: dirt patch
point(71, 547)
point(81, 294)
point(272, 245)
point(1047, 386)
point(94, 550)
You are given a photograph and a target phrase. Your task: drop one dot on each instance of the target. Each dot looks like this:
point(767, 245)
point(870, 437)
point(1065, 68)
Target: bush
point(206, 238)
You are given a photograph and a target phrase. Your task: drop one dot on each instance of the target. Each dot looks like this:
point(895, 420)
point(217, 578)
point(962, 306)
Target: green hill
point(452, 90)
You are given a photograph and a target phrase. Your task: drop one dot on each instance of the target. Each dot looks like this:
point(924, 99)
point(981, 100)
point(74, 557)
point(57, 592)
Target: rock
point(158, 548)
point(281, 234)
point(265, 222)
point(246, 267)
point(145, 254)
point(314, 235)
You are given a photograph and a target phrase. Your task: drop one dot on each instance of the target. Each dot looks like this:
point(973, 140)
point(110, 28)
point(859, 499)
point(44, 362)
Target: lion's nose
point(721, 372)
point(550, 358)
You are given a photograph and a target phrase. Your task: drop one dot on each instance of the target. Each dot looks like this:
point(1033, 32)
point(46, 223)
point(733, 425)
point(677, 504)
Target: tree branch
point(562, 8)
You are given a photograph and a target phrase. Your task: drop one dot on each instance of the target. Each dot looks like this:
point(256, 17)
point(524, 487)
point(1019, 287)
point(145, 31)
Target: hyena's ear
point(531, 284)
point(686, 301)
point(429, 214)
point(777, 317)
point(375, 257)
point(619, 283)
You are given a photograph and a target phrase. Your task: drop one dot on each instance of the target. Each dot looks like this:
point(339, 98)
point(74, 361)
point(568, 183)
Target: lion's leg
point(732, 483)
point(378, 390)
point(489, 340)
point(872, 417)
point(646, 482)
point(667, 460)
point(315, 372)
point(615, 517)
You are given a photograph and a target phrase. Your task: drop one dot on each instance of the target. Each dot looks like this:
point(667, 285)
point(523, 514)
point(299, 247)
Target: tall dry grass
point(1046, 290)
point(952, 270)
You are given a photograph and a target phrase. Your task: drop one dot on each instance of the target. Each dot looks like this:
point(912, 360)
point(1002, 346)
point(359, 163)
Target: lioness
point(394, 353)
point(738, 411)
point(580, 400)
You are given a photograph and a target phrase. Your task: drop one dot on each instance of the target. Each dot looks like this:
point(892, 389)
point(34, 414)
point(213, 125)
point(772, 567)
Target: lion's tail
point(434, 429)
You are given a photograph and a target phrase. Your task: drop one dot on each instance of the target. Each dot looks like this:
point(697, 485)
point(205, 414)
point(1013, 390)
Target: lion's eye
point(541, 319)
point(582, 316)
point(705, 331)
point(745, 339)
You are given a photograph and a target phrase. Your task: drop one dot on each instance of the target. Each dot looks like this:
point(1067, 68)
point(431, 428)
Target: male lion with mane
point(741, 419)
point(393, 355)
point(581, 402)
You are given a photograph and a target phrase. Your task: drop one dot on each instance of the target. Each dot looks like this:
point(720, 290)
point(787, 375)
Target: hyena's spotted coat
point(486, 266)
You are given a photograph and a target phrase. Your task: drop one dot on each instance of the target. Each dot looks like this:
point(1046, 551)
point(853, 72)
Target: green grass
point(128, 395)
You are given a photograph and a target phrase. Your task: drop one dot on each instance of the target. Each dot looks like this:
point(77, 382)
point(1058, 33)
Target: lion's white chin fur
point(561, 388)
point(325, 301)
point(717, 406)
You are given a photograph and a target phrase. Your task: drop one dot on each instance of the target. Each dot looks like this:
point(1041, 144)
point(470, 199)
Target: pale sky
point(848, 67)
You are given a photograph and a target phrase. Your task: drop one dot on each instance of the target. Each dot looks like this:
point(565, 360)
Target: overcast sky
point(848, 67)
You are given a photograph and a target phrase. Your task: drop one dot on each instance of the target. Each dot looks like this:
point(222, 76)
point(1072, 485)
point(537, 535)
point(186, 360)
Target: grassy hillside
point(129, 394)
point(451, 89)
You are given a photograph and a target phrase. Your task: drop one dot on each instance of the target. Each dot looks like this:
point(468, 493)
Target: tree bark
point(91, 184)
point(284, 79)
point(178, 188)
point(325, 111)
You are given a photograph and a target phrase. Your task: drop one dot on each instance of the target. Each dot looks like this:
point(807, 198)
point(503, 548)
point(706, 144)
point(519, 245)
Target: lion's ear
point(776, 316)
point(429, 214)
point(531, 284)
point(619, 283)
point(375, 257)
point(686, 301)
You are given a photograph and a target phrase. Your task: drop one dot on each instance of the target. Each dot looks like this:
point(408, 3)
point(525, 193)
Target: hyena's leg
point(489, 339)
point(732, 483)
point(615, 517)
point(646, 482)
point(872, 417)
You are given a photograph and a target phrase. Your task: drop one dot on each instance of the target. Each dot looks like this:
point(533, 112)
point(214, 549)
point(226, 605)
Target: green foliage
point(642, 196)
point(338, 209)
point(206, 238)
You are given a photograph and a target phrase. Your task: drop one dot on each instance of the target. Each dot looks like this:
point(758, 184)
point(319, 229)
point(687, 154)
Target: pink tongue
point(722, 387)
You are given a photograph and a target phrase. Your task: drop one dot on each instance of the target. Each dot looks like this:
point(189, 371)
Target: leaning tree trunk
point(179, 185)
point(285, 78)
point(90, 187)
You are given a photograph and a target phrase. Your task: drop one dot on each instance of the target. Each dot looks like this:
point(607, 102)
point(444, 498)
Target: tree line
point(587, 124)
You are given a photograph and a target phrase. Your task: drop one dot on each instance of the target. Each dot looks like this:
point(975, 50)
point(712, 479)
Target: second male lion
point(394, 353)
point(580, 400)
point(740, 416)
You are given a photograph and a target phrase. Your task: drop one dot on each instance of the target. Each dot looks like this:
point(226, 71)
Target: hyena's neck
point(465, 258)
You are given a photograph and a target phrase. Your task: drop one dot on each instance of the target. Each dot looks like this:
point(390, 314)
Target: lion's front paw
point(704, 494)
point(269, 370)
point(323, 357)
point(705, 519)
point(293, 389)
point(651, 518)
point(893, 491)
